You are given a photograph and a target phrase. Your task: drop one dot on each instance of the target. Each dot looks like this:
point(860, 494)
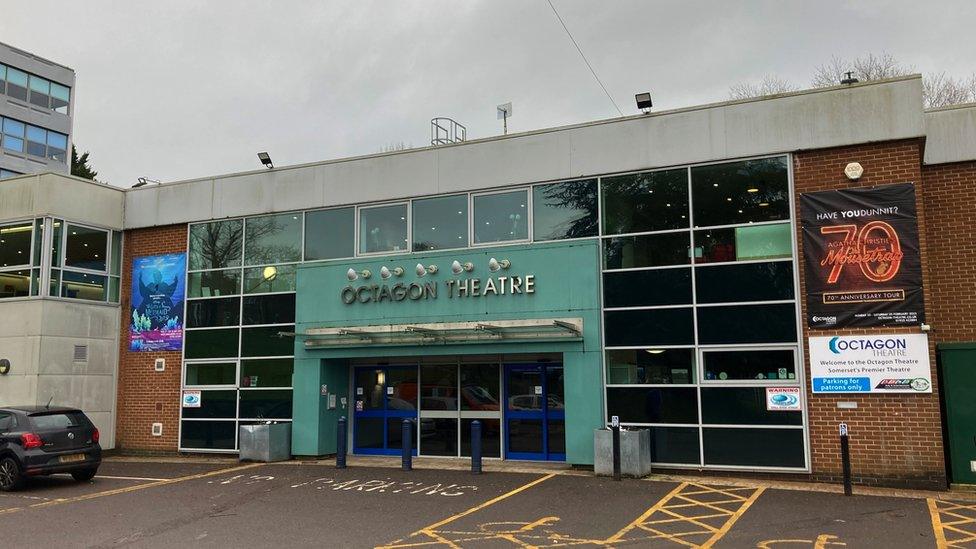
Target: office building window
point(38, 91)
point(86, 262)
point(330, 234)
point(383, 229)
point(564, 210)
point(440, 223)
point(36, 141)
point(501, 217)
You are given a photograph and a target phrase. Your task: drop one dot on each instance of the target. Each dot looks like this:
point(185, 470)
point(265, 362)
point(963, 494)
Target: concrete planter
point(635, 452)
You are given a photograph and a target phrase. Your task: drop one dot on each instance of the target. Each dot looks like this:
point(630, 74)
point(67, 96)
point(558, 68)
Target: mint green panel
point(566, 284)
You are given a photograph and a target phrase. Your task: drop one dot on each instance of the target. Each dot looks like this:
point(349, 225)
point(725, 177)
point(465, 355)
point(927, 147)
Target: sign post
point(615, 427)
point(845, 458)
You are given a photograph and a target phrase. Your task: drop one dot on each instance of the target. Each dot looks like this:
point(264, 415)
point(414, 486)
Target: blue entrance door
point(535, 417)
point(383, 396)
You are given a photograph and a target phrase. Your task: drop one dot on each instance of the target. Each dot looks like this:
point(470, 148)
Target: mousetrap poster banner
point(158, 291)
point(860, 249)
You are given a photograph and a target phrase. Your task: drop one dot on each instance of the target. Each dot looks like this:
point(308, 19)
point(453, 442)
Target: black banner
point(860, 248)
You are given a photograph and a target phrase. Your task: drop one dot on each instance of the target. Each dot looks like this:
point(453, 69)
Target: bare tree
point(396, 146)
point(865, 68)
point(769, 85)
point(941, 90)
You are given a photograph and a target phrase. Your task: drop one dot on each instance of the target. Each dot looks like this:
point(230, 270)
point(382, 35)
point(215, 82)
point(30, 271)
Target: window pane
point(269, 309)
point(216, 245)
point(383, 229)
point(438, 436)
point(739, 192)
point(116, 252)
point(211, 343)
point(653, 404)
point(214, 404)
point(56, 247)
point(214, 283)
point(16, 83)
point(83, 286)
point(60, 97)
point(85, 248)
point(205, 313)
point(674, 445)
point(55, 283)
point(751, 447)
point(208, 435)
point(36, 283)
point(267, 372)
point(13, 143)
point(57, 146)
point(272, 239)
point(440, 223)
point(219, 373)
point(368, 433)
point(38, 241)
point(266, 341)
point(13, 127)
point(744, 243)
point(15, 244)
point(15, 283)
point(742, 406)
point(278, 278)
point(480, 389)
point(403, 383)
point(657, 250)
point(439, 387)
point(274, 404)
point(36, 141)
point(650, 366)
point(491, 439)
point(646, 288)
point(649, 327)
point(501, 217)
point(650, 201)
point(564, 210)
point(113, 289)
point(752, 364)
point(330, 234)
point(747, 324)
point(747, 282)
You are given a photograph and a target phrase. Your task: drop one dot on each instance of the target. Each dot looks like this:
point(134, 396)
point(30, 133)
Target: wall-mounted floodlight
point(457, 267)
point(494, 264)
point(352, 274)
point(644, 102)
point(422, 271)
point(386, 273)
point(265, 159)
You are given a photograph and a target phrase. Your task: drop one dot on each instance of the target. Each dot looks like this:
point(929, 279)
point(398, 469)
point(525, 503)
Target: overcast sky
point(181, 89)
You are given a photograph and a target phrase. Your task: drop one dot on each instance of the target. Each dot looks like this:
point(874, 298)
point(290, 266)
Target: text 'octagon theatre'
point(739, 278)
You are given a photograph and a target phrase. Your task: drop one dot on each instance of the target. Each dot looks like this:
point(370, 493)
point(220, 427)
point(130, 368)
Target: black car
point(38, 440)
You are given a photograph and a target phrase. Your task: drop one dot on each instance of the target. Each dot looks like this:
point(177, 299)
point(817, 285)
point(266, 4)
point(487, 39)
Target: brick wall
point(950, 205)
point(146, 396)
point(896, 440)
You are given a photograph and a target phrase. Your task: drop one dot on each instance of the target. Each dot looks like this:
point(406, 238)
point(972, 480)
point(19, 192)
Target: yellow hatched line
point(733, 519)
point(646, 514)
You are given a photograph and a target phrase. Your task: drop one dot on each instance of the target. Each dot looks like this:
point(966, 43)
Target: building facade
point(650, 268)
point(36, 108)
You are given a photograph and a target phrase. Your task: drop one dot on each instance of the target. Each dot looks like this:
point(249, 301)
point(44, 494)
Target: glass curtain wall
point(700, 312)
point(240, 307)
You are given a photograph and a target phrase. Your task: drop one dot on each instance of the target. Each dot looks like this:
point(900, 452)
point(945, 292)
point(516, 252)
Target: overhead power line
point(593, 72)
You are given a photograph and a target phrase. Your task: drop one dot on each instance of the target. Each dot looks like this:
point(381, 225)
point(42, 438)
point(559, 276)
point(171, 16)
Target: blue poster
point(158, 291)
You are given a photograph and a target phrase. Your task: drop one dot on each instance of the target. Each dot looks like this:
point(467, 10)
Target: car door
point(8, 424)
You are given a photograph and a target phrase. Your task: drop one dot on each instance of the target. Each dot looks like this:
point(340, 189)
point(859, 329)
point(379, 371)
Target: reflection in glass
point(740, 192)
point(211, 373)
point(273, 404)
point(275, 278)
point(525, 390)
point(650, 201)
point(85, 248)
point(204, 313)
point(657, 250)
point(214, 283)
point(216, 245)
point(480, 390)
point(369, 433)
point(330, 234)
point(438, 436)
point(383, 229)
point(403, 381)
point(269, 309)
point(501, 217)
point(647, 288)
point(744, 282)
point(743, 406)
point(267, 372)
point(775, 323)
point(653, 404)
point(564, 210)
point(491, 438)
point(267, 341)
point(220, 343)
point(555, 394)
point(369, 389)
point(744, 243)
point(15, 244)
point(440, 223)
point(440, 389)
point(15, 283)
point(214, 404)
point(753, 364)
point(525, 436)
point(273, 239)
point(209, 435)
point(650, 366)
point(83, 286)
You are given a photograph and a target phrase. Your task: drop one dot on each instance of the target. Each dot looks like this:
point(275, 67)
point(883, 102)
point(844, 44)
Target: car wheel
point(10, 476)
point(84, 474)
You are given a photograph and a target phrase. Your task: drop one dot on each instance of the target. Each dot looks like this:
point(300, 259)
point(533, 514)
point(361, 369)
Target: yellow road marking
point(429, 530)
point(950, 533)
point(128, 489)
point(644, 516)
point(735, 517)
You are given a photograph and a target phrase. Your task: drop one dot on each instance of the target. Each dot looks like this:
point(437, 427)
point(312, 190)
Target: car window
point(58, 421)
point(7, 422)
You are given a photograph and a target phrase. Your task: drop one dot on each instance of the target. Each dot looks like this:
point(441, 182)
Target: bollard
point(407, 449)
point(845, 458)
point(616, 450)
point(341, 431)
point(476, 447)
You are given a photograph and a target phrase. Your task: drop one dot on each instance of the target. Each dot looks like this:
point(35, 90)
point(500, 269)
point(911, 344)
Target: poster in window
point(158, 291)
point(861, 253)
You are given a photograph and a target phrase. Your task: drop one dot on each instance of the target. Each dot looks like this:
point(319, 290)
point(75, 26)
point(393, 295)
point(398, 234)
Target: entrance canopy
point(439, 333)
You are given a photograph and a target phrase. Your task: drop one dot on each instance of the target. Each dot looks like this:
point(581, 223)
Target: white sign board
point(884, 363)
point(192, 399)
point(783, 399)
